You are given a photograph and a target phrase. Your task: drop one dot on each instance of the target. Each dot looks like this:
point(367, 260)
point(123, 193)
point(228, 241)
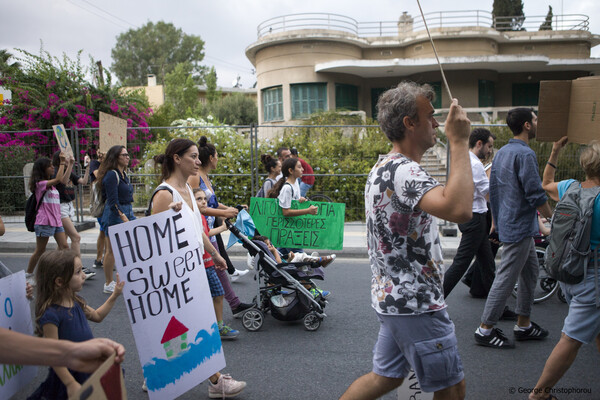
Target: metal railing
point(407, 24)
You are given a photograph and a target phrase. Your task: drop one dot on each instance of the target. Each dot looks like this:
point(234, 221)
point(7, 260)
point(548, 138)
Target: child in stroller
point(284, 288)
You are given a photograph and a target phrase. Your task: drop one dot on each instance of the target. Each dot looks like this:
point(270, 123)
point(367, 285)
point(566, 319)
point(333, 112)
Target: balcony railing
point(407, 24)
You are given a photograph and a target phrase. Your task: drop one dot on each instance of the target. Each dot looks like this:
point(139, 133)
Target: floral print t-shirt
point(403, 241)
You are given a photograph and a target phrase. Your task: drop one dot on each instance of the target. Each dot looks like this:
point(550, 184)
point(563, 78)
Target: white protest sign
point(411, 389)
point(16, 316)
point(63, 139)
point(168, 301)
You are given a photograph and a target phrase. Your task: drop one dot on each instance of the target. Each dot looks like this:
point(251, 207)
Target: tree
point(547, 24)
point(155, 49)
point(180, 89)
point(234, 109)
point(508, 15)
point(212, 94)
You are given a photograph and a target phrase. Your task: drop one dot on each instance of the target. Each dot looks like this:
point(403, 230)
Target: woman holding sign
point(179, 162)
point(118, 194)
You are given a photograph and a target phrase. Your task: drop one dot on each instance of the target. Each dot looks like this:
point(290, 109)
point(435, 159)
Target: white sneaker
point(238, 274)
point(225, 387)
point(250, 261)
point(88, 273)
point(30, 278)
point(145, 387)
point(110, 287)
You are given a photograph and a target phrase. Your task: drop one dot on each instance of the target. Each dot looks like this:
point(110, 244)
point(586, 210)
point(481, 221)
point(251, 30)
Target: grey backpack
point(568, 252)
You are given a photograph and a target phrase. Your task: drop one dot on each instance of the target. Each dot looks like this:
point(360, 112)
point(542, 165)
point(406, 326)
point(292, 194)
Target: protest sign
point(106, 383)
point(16, 316)
point(168, 301)
point(63, 139)
point(113, 131)
point(569, 108)
point(322, 231)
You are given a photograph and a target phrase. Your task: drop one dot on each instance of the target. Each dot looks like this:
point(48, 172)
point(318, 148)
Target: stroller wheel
point(253, 319)
point(312, 322)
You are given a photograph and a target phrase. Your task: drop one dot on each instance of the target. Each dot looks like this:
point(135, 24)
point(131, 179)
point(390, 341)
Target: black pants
point(221, 248)
point(474, 242)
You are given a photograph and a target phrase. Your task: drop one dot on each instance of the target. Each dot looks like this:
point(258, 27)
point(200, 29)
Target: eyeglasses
point(124, 155)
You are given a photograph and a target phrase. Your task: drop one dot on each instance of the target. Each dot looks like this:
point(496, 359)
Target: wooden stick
point(436, 54)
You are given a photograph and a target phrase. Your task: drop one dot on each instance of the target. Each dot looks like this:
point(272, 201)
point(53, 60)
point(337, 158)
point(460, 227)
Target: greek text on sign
point(322, 231)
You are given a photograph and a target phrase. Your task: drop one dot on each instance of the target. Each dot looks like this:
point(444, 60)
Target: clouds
point(226, 26)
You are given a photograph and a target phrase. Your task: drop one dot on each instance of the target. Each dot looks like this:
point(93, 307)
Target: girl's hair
point(167, 161)
point(590, 159)
point(205, 150)
point(38, 173)
point(268, 162)
point(111, 161)
point(56, 159)
point(287, 165)
point(52, 265)
point(196, 190)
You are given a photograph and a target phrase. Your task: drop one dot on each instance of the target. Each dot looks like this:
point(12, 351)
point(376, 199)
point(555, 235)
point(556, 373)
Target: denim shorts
point(425, 342)
point(67, 210)
point(216, 289)
point(47, 230)
point(110, 217)
point(583, 320)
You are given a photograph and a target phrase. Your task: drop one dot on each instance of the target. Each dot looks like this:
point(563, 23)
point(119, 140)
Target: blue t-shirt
point(595, 234)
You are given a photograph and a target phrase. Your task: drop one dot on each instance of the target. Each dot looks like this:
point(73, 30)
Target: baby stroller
point(280, 291)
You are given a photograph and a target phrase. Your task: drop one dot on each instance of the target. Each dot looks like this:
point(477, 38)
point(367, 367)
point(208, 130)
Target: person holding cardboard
point(515, 194)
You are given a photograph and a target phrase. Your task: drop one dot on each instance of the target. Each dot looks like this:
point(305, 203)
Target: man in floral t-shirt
point(401, 200)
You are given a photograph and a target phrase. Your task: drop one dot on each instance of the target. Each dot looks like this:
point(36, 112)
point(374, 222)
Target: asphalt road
point(283, 361)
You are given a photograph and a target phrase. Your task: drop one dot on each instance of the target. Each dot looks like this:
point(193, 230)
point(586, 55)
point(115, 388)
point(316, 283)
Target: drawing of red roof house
point(174, 339)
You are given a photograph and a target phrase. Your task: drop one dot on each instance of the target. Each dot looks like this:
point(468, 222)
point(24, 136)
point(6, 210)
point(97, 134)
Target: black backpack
point(31, 210)
point(148, 211)
point(568, 252)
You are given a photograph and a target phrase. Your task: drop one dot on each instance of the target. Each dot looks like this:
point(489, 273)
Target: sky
point(226, 26)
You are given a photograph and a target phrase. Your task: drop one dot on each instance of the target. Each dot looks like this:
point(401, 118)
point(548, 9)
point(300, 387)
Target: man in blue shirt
point(515, 194)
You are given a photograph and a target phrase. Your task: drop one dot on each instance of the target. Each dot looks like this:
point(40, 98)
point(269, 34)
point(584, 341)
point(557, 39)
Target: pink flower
point(63, 112)
point(53, 99)
point(46, 114)
point(114, 107)
point(50, 84)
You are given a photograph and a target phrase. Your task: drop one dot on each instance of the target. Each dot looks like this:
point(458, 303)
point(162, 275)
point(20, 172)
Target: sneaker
point(88, 273)
point(238, 274)
point(228, 333)
point(325, 261)
point(30, 278)
point(495, 339)
point(239, 310)
point(226, 387)
point(535, 332)
point(110, 287)
point(316, 292)
point(144, 386)
point(98, 264)
point(509, 315)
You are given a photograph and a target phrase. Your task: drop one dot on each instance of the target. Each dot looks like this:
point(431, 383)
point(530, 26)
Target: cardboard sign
point(63, 139)
point(106, 383)
point(113, 132)
point(16, 316)
point(322, 231)
point(570, 108)
point(411, 389)
point(168, 301)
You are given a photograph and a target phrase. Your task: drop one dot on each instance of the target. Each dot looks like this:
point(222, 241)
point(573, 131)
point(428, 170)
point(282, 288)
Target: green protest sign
point(322, 231)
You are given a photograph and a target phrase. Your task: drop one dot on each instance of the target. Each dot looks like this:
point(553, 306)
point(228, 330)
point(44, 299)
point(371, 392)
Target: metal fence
point(335, 181)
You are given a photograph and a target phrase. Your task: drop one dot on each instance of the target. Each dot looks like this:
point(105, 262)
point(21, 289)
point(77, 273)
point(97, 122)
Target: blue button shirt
point(516, 192)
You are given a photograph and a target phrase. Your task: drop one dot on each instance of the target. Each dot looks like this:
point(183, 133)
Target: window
point(525, 94)
point(308, 98)
point(272, 102)
point(375, 93)
point(486, 93)
point(437, 89)
point(346, 97)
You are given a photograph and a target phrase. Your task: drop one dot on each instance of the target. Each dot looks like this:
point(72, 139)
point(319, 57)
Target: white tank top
point(192, 213)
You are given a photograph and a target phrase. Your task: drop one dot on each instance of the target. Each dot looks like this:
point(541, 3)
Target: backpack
point(261, 192)
point(31, 209)
point(568, 251)
point(97, 201)
point(148, 211)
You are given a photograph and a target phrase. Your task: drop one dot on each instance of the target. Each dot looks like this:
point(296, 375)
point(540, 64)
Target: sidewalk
point(18, 240)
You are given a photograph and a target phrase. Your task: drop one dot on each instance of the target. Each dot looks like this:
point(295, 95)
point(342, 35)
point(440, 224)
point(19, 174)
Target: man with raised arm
point(405, 254)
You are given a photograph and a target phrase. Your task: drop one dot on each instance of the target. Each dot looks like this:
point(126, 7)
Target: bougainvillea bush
point(48, 91)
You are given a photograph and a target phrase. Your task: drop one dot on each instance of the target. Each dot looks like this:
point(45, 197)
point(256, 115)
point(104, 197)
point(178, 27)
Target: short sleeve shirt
point(288, 193)
point(403, 241)
point(71, 322)
point(49, 211)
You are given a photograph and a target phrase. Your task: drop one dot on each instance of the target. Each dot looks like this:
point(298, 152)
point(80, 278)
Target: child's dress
point(72, 325)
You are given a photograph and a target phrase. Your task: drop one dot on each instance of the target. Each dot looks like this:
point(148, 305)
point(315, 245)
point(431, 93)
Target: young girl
point(47, 221)
point(216, 289)
point(179, 162)
point(273, 168)
point(61, 314)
